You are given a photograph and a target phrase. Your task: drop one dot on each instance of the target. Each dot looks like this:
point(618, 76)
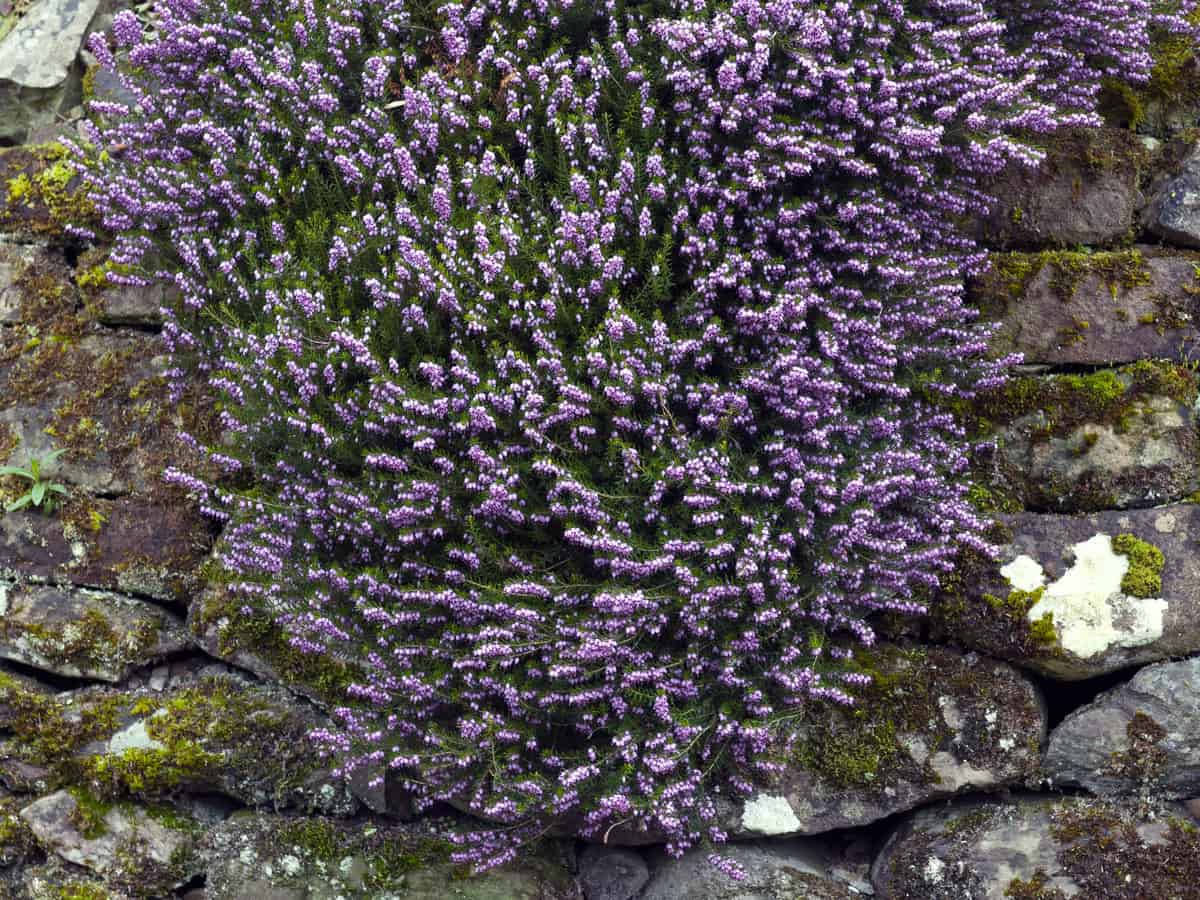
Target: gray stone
point(131, 544)
point(947, 723)
point(1143, 735)
point(1174, 210)
point(989, 850)
point(1084, 192)
point(14, 260)
point(1069, 564)
point(94, 474)
point(1098, 318)
point(84, 633)
point(38, 75)
point(256, 855)
point(127, 836)
point(136, 304)
point(1145, 458)
point(611, 873)
point(796, 869)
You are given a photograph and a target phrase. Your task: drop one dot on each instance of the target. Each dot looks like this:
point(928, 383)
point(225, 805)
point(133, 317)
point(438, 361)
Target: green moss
point(860, 747)
point(1017, 605)
point(1067, 402)
point(1173, 80)
point(81, 890)
point(325, 676)
point(1042, 631)
point(20, 190)
point(1144, 577)
point(89, 643)
point(89, 813)
point(1033, 889)
point(88, 84)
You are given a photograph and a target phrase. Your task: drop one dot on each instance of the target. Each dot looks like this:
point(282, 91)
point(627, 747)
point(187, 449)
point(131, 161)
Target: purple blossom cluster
point(580, 362)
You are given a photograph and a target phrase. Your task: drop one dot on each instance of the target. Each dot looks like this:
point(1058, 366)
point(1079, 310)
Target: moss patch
point(1144, 761)
point(1104, 854)
point(1144, 578)
point(43, 191)
point(320, 675)
point(1174, 79)
point(1000, 624)
point(1010, 274)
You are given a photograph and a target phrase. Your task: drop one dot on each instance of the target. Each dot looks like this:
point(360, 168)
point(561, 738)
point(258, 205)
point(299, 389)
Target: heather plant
point(583, 361)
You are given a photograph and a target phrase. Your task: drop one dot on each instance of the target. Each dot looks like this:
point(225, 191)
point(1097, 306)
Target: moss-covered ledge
point(1108, 439)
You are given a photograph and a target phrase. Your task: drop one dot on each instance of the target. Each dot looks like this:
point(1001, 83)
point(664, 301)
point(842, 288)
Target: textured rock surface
point(775, 870)
point(1111, 439)
point(1174, 210)
point(611, 873)
point(1098, 626)
point(995, 850)
point(1094, 317)
point(1085, 192)
point(84, 633)
point(118, 838)
point(261, 855)
point(135, 305)
point(1144, 462)
point(14, 260)
point(213, 732)
point(1142, 735)
point(38, 70)
point(941, 723)
point(137, 544)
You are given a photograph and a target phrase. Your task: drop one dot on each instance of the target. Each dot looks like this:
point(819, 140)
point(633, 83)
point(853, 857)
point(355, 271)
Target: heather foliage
point(581, 359)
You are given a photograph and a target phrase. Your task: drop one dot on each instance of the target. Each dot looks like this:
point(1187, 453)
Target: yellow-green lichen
point(1144, 577)
point(81, 890)
point(20, 190)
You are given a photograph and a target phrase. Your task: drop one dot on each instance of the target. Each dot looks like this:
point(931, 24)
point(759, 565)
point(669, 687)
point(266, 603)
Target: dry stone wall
point(152, 738)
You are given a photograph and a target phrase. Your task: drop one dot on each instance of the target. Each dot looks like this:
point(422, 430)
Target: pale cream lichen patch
point(1024, 573)
point(769, 815)
point(1091, 613)
point(135, 737)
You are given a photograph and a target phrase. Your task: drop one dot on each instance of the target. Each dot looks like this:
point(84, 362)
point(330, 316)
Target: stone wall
point(1037, 736)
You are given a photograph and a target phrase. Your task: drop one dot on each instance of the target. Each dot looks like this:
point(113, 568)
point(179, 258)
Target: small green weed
point(41, 490)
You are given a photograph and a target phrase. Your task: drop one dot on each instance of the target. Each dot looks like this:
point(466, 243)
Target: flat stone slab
point(37, 71)
point(774, 870)
point(1037, 847)
point(84, 633)
point(267, 856)
point(1094, 309)
point(1106, 610)
point(1109, 439)
point(1084, 192)
point(127, 838)
point(39, 52)
point(130, 544)
point(1141, 736)
point(1174, 210)
point(135, 305)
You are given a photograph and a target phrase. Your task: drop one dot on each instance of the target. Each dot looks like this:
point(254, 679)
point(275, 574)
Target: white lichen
point(1091, 613)
point(769, 815)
